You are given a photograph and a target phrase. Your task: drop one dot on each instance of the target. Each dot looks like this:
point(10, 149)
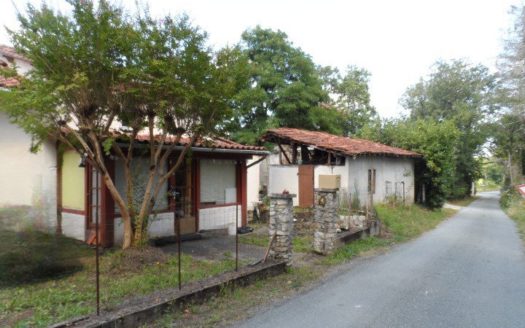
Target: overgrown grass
point(401, 223)
point(300, 243)
point(514, 205)
point(462, 201)
point(40, 304)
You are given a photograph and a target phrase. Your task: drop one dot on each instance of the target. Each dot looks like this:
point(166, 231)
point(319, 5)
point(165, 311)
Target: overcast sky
point(397, 41)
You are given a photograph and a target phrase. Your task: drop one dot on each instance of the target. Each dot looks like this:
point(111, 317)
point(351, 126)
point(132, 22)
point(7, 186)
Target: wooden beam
point(284, 153)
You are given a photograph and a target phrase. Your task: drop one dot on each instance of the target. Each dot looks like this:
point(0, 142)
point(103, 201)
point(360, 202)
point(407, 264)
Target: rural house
point(309, 159)
point(205, 192)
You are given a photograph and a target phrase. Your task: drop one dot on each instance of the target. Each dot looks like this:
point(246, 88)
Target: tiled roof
point(215, 143)
point(8, 82)
point(330, 142)
point(7, 51)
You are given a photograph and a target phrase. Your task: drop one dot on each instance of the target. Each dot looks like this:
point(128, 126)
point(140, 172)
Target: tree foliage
point(349, 94)
point(509, 131)
point(435, 141)
point(283, 89)
point(463, 94)
point(101, 75)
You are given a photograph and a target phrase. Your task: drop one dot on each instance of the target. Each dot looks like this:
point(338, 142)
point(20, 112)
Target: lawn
point(66, 295)
point(462, 201)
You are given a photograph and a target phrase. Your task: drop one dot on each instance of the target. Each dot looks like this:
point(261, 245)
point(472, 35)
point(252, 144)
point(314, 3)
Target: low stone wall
point(140, 311)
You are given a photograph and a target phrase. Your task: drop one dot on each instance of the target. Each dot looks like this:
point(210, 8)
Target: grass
point(462, 201)
point(514, 205)
point(401, 223)
point(122, 276)
point(300, 243)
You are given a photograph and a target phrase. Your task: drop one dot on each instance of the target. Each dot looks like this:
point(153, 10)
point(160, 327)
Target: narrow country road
point(468, 272)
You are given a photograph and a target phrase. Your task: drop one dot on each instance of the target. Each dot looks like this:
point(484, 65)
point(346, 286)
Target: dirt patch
point(133, 260)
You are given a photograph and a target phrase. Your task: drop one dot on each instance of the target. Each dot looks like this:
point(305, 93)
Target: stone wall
point(281, 226)
point(326, 218)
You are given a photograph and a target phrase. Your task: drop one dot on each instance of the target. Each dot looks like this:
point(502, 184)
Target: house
point(361, 168)
point(209, 191)
point(206, 192)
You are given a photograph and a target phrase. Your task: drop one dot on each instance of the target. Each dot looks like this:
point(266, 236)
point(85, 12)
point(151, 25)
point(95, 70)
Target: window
point(372, 181)
point(218, 182)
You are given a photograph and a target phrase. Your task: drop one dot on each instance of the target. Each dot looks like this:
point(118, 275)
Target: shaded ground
point(468, 272)
point(216, 245)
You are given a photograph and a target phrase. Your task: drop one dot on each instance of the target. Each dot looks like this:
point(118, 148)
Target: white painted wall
point(394, 170)
point(253, 183)
point(73, 225)
point(284, 177)
point(27, 178)
point(160, 225)
point(354, 176)
point(219, 217)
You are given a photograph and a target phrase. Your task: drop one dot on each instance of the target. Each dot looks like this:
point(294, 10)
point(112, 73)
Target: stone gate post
point(281, 226)
point(326, 205)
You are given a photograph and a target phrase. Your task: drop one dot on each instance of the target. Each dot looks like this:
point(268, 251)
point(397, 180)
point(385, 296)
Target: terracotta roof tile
point(330, 142)
point(217, 143)
point(7, 51)
point(8, 82)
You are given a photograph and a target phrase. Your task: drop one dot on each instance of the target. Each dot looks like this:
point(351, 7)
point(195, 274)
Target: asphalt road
point(468, 272)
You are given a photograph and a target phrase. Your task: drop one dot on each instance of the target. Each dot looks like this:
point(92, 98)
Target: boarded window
point(372, 181)
point(218, 182)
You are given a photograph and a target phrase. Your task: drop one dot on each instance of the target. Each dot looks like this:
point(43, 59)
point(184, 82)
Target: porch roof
point(337, 144)
point(217, 144)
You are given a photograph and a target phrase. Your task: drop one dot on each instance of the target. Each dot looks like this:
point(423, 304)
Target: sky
point(396, 41)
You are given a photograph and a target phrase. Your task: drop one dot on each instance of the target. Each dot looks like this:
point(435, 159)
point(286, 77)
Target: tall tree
point(284, 88)
point(510, 129)
point(350, 95)
point(462, 93)
point(98, 69)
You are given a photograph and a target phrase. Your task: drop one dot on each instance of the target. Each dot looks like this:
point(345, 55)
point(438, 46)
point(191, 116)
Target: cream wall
point(27, 178)
point(73, 181)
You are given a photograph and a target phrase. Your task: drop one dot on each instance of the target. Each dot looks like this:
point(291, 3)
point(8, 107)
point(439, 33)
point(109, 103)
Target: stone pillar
point(281, 226)
point(326, 205)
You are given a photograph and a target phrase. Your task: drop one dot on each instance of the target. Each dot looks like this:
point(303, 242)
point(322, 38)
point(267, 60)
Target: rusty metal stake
point(177, 225)
point(236, 238)
point(97, 189)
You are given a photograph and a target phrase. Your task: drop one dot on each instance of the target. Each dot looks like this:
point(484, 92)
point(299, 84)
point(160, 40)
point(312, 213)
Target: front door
point(306, 185)
point(94, 197)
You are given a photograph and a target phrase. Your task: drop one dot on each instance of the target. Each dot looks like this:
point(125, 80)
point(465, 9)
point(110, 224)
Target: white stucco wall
point(160, 225)
point(27, 178)
point(253, 183)
point(73, 225)
point(354, 176)
point(393, 170)
point(284, 177)
point(219, 217)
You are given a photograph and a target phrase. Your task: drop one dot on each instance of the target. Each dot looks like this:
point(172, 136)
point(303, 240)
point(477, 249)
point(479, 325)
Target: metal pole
point(97, 187)
point(236, 237)
point(177, 225)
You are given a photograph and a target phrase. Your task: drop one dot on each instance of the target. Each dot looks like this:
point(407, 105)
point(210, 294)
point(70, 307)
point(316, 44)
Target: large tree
point(101, 76)
point(284, 88)
point(350, 95)
point(463, 93)
point(509, 137)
